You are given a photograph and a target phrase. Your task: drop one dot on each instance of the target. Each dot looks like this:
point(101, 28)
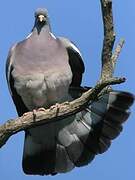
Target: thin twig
point(117, 52)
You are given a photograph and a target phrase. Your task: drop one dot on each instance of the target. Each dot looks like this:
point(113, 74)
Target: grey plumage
point(43, 70)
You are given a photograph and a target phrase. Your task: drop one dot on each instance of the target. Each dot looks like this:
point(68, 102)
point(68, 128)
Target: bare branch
point(117, 52)
point(109, 38)
point(50, 115)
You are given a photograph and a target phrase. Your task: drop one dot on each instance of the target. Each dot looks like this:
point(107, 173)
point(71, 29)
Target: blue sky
point(81, 22)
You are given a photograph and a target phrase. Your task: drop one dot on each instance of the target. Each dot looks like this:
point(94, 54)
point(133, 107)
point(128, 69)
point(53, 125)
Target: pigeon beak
point(41, 18)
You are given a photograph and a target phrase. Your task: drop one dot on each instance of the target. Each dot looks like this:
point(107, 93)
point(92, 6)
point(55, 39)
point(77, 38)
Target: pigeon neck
point(41, 29)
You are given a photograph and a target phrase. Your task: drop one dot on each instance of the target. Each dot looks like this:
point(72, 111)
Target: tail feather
point(36, 158)
point(121, 99)
point(117, 114)
point(77, 152)
point(103, 144)
point(75, 142)
point(111, 129)
point(63, 163)
point(72, 144)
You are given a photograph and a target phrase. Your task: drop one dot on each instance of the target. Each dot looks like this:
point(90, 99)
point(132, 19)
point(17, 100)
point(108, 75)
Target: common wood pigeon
point(43, 70)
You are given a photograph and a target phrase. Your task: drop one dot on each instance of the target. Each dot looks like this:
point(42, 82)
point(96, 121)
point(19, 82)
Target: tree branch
point(109, 38)
point(54, 113)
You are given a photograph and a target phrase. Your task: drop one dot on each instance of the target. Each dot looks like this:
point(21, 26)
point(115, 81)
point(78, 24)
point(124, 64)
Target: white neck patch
point(28, 36)
point(52, 35)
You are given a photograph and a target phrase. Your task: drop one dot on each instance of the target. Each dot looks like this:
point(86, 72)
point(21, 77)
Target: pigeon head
point(41, 19)
point(41, 15)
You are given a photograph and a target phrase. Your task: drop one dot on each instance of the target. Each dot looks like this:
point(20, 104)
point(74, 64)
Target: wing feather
point(75, 61)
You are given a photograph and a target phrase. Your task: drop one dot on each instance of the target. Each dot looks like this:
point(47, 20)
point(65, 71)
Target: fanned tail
point(87, 134)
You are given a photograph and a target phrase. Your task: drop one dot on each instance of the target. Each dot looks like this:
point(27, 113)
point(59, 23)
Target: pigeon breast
point(41, 71)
